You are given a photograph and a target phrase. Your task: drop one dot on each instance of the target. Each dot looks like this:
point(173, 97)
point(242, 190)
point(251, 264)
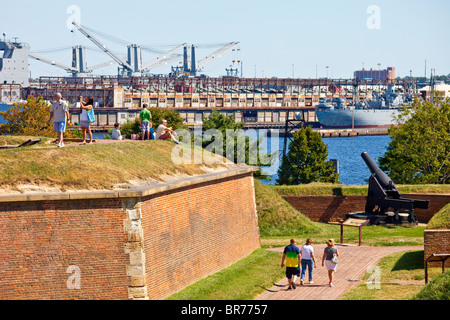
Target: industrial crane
point(79, 67)
point(195, 66)
point(134, 65)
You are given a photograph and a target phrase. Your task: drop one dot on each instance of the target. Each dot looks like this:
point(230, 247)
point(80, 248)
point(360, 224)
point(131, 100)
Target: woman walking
point(329, 259)
point(307, 261)
point(84, 119)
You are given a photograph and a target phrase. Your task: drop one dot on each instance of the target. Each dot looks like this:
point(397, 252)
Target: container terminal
point(259, 102)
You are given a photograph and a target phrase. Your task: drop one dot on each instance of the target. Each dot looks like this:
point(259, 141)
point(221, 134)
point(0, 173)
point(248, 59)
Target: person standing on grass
point(59, 113)
point(144, 118)
point(84, 120)
point(308, 261)
point(330, 255)
point(291, 255)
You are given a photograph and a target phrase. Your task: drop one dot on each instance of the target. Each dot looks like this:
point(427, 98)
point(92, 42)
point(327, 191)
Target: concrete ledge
point(132, 193)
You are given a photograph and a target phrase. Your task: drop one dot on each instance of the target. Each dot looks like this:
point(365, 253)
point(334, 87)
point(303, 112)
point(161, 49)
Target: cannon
point(384, 196)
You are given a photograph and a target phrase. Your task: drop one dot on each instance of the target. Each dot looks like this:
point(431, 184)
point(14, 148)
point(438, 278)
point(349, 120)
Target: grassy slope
point(440, 220)
point(438, 289)
point(277, 217)
point(97, 166)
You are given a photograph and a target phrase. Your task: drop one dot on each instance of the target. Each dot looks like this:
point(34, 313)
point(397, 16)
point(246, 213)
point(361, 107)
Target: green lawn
point(244, 280)
point(401, 278)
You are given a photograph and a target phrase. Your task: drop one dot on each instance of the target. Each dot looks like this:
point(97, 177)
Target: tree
point(306, 161)
point(419, 152)
point(242, 148)
point(28, 119)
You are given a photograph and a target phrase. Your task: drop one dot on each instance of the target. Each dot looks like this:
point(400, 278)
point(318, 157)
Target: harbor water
point(3, 107)
point(347, 151)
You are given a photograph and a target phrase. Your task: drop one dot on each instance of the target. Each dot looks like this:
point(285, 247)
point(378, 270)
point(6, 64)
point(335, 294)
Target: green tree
point(28, 119)
point(419, 152)
point(306, 161)
point(232, 130)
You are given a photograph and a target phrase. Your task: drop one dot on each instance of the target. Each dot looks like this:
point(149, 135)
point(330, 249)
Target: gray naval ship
point(379, 111)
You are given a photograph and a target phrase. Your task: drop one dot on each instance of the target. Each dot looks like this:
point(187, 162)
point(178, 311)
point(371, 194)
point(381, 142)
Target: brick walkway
point(353, 264)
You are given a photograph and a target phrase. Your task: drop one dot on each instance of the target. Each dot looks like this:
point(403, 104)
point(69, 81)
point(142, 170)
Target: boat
point(378, 111)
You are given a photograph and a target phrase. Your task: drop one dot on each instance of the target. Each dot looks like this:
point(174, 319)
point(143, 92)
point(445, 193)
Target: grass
point(279, 222)
point(438, 289)
point(96, 166)
point(244, 280)
point(277, 217)
point(440, 220)
point(401, 278)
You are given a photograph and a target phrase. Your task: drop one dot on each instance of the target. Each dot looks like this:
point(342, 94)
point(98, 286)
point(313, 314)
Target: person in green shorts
point(144, 118)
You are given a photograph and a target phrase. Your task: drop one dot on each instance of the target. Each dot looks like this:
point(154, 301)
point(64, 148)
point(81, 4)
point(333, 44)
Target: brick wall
point(437, 241)
point(333, 208)
point(127, 245)
point(40, 240)
point(191, 235)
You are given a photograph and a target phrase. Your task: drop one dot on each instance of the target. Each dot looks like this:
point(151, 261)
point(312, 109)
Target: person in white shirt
point(115, 134)
point(308, 261)
point(165, 133)
point(59, 113)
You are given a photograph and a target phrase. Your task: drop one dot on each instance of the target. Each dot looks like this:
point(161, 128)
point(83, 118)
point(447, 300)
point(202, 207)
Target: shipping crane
point(79, 67)
point(197, 66)
point(134, 65)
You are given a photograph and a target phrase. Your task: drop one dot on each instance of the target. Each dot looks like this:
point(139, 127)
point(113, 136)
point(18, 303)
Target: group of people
point(162, 132)
point(297, 260)
point(59, 114)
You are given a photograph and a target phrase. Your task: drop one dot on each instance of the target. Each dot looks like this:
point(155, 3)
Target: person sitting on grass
point(165, 133)
point(115, 134)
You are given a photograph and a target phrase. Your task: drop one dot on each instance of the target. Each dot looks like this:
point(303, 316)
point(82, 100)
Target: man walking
point(59, 112)
point(144, 118)
point(291, 255)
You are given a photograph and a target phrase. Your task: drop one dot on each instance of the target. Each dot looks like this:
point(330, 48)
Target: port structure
point(259, 102)
point(133, 65)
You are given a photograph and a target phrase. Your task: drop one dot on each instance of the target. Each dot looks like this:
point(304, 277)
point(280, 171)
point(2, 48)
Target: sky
point(286, 38)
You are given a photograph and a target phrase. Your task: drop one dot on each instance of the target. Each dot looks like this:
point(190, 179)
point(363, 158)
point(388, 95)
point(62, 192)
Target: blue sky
point(277, 38)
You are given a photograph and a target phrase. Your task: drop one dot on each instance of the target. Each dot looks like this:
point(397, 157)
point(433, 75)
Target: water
point(352, 168)
point(3, 107)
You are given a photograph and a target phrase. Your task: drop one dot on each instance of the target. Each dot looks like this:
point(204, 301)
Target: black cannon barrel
point(383, 178)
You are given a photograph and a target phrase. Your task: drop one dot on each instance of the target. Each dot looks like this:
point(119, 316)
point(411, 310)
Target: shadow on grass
point(410, 261)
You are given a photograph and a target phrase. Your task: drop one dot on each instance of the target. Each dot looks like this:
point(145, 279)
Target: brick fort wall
point(145, 244)
point(333, 208)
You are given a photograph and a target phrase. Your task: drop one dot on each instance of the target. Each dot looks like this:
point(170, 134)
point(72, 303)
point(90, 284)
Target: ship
point(379, 111)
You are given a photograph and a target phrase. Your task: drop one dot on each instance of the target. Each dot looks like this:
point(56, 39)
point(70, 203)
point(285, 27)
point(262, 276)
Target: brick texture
point(190, 235)
point(132, 248)
point(437, 241)
point(333, 208)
